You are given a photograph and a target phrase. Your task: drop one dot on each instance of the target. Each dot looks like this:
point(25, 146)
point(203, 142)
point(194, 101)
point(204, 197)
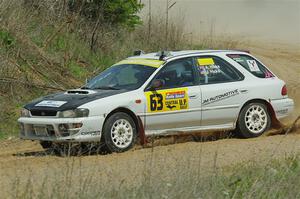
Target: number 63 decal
point(167, 100)
point(156, 102)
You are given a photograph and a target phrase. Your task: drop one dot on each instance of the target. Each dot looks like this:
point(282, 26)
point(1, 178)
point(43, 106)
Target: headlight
point(74, 113)
point(25, 112)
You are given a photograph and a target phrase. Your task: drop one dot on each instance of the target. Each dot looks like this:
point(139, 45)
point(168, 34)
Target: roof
point(181, 53)
point(152, 59)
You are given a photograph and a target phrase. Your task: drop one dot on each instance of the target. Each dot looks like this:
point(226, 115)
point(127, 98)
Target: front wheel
point(119, 132)
point(253, 120)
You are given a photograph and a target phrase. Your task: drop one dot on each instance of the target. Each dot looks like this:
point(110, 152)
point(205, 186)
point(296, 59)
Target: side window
point(178, 73)
point(252, 65)
point(215, 70)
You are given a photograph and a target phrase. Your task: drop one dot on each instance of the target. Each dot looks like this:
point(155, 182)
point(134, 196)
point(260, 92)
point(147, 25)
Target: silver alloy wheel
point(256, 119)
point(122, 133)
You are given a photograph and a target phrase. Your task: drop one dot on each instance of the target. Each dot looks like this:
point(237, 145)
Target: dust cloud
point(269, 20)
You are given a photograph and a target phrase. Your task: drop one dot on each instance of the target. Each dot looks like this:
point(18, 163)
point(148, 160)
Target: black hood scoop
point(80, 92)
point(70, 99)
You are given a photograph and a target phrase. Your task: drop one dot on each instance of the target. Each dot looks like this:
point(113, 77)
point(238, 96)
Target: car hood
point(69, 100)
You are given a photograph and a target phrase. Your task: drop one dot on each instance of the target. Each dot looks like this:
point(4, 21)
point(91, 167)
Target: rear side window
point(252, 65)
point(216, 70)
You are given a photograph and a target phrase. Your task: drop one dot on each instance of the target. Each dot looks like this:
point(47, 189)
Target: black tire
point(46, 144)
point(111, 144)
point(253, 120)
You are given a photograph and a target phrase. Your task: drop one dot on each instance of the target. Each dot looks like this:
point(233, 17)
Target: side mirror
point(157, 83)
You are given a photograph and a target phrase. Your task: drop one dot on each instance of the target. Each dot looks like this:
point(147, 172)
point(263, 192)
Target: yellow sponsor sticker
point(206, 61)
point(167, 100)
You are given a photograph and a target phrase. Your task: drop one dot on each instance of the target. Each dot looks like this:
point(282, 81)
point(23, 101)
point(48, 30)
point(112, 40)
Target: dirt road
point(23, 162)
point(24, 166)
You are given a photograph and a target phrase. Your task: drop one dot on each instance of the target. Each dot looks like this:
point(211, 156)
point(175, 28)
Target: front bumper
point(283, 107)
point(48, 129)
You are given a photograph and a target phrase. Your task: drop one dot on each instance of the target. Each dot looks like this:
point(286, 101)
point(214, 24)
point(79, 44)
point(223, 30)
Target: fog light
point(69, 129)
point(63, 127)
point(76, 125)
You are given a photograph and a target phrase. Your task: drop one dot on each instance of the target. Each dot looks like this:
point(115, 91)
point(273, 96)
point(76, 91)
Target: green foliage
point(123, 12)
point(7, 39)
point(60, 43)
point(117, 12)
point(2, 135)
point(76, 70)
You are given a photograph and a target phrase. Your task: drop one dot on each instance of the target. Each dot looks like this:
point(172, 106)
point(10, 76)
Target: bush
point(117, 12)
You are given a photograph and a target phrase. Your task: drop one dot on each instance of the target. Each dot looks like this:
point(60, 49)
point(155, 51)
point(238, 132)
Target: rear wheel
point(253, 120)
point(119, 132)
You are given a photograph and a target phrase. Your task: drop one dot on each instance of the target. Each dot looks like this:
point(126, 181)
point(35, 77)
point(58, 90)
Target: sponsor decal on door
point(167, 100)
point(220, 97)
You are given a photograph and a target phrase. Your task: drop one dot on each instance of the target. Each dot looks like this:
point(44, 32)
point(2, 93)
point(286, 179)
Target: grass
point(6, 39)
point(278, 179)
point(2, 135)
point(39, 48)
point(184, 179)
point(34, 50)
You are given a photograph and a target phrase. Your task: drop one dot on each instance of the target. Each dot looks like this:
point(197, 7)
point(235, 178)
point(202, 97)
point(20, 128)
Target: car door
point(222, 90)
point(177, 104)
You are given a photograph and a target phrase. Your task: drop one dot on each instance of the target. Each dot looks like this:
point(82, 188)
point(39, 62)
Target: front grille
point(43, 113)
point(50, 130)
point(43, 130)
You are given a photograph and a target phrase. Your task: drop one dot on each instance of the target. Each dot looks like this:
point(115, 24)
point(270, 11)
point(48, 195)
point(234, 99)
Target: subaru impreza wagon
point(162, 93)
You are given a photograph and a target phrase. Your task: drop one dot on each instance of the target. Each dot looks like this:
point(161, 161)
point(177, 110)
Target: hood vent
point(80, 92)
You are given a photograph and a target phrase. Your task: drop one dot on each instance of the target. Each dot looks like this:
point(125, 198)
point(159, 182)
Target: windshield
point(124, 76)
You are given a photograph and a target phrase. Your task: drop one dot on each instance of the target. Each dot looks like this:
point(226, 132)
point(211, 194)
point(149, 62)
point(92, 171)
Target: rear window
point(252, 65)
point(214, 70)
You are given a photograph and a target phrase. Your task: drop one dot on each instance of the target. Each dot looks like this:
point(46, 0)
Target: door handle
point(193, 96)
point(243, 91)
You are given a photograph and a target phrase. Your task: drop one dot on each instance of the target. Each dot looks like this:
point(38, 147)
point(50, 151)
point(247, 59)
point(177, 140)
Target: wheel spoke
point(256, 119)
point(122, 133)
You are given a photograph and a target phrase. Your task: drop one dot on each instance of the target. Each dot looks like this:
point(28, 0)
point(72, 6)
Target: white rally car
point(158, 93)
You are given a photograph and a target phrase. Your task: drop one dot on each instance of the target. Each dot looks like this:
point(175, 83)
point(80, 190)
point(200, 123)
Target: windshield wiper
point(85, 87)
point(106, 88)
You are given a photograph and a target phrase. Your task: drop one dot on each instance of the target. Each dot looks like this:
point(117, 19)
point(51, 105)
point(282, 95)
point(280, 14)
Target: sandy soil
point(23, 160)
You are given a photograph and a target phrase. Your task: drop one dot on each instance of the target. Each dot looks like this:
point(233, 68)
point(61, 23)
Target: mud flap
point(142, 136)
point(275, 123)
